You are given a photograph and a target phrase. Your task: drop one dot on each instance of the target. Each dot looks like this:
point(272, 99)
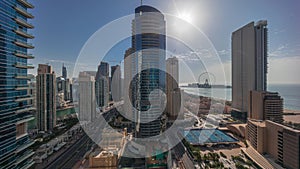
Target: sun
point(185, 16)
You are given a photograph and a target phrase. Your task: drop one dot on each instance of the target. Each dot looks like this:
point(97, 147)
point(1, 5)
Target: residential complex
point(46, 98)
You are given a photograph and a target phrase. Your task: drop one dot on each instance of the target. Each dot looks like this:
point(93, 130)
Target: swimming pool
point(206, 136)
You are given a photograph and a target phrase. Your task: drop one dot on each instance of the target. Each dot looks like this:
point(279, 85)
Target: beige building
point(265, 105)
point(46, 98)
point(87, 99)
point(127, 80)
point(104, 160)
point(279, 141)
point(172, 88)
point(249, 63)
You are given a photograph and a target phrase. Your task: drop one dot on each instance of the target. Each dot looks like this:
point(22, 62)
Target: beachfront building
point(249, 64)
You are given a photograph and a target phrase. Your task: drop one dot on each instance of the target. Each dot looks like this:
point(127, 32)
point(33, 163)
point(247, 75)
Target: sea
point(289, 92)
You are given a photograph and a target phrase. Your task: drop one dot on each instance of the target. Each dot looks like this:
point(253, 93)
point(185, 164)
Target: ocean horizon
point(289, 92)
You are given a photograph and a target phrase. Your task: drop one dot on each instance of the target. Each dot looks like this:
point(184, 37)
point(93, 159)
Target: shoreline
point(286, 112)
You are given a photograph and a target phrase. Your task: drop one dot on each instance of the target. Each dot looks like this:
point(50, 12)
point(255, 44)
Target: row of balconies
point(23, 11)
point(24, 66)
point(22, 55)
point(24, 44)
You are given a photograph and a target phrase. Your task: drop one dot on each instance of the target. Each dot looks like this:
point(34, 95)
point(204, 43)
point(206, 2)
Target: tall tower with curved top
point(148, 58)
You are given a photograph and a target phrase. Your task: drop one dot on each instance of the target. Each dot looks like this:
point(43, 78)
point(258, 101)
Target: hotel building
point(249, 65)
point(280, 142)
point(265, 105)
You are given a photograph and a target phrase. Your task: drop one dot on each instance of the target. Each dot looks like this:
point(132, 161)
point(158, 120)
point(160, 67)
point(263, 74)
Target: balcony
point(25, 119)
point(23, 77)
point(26, 98)
point(24, 146)
point(24, 34)
point(26, 87)
point(24, 44)
point(21, 55)
point(25, 3)
point(28, 165)
point(24, 157)
point(25, 110)
point(23, 22)
point(23, 11)
point(22, 66)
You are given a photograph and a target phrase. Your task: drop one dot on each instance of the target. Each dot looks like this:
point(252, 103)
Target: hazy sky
point(62, 27)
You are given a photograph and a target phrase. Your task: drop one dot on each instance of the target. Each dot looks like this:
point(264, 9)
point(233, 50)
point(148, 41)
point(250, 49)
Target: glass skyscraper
point(14, 97)
point(148, 61)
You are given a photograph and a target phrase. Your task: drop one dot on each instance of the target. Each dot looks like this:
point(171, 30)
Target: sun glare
point(186, 17)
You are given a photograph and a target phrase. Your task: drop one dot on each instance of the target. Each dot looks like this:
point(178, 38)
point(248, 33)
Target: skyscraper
point(127, 80)
point(65, 84)
point(46, 98)
point(102, 85)
point(64, 72)
point(172, 88)
point(14, 96)
point(249, 63)
point(116, 82)
point(148, 44)
point(87, 100)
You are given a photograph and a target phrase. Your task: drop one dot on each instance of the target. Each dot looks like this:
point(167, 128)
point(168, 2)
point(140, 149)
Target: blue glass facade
point(13, 84)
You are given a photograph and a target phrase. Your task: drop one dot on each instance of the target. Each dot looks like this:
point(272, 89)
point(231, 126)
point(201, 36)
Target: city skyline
point(284, 44)
point(149, 84)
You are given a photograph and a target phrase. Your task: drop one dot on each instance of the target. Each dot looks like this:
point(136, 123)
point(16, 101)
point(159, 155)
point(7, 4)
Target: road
point(64, 158)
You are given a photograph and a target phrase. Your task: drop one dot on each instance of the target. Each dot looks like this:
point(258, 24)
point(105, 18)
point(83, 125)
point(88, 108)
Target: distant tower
point(249, 64)
point(64, 72)
point(46, 98)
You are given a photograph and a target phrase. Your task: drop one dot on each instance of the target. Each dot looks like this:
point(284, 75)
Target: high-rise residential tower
point(116, 83)
point(148, 44)
point(249, 64)
point(127, 79)
point(87, 100)
point(14, 97)
point(46, 98)
point(102, 85)
point(172, 88)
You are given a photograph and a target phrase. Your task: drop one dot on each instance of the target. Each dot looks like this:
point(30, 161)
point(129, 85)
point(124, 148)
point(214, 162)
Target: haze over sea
point(289, 92)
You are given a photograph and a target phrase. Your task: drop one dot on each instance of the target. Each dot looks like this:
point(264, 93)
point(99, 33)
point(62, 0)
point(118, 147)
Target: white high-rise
point(148, 45)
point(249, 63)
point(87, 99)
